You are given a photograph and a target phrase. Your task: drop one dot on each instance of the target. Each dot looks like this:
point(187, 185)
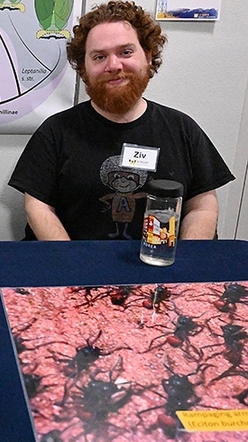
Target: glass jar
point(161, 222)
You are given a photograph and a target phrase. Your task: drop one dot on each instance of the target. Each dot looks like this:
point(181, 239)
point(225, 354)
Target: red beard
point(117, 100)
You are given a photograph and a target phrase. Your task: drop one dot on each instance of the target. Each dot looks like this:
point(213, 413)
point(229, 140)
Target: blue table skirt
point(117, 262)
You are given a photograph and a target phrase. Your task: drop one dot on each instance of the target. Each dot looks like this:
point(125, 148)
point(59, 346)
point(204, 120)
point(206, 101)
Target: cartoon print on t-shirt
point(124, 182)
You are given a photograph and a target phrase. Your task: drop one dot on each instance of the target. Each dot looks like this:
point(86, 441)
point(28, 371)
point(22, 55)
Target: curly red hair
point(148, 30)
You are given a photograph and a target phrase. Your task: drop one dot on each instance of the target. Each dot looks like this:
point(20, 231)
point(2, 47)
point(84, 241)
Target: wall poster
point(188, 9)
point(36, 79)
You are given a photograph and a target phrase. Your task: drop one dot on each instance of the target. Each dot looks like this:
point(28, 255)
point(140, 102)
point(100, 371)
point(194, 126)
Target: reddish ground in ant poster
point(115, 363)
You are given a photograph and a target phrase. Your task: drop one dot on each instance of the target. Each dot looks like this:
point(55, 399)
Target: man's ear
point(82, 72)
point(149, 57)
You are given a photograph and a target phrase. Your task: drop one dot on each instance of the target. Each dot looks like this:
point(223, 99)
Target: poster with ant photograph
point(117, 363)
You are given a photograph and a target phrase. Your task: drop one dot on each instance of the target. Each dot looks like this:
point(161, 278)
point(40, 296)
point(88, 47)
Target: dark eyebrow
point(121, 47)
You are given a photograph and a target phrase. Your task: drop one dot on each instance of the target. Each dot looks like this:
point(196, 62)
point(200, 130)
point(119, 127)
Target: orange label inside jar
point(156, 233)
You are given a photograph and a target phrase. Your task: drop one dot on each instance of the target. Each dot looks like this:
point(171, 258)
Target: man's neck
point(129, 116)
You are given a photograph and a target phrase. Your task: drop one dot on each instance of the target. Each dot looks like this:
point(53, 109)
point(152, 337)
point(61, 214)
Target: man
point(71, 171)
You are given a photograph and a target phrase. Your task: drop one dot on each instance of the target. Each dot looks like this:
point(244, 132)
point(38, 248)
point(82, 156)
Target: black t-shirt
point(72, 163)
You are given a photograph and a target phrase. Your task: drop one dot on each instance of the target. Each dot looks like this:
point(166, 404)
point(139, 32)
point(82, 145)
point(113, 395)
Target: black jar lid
point(165, 188)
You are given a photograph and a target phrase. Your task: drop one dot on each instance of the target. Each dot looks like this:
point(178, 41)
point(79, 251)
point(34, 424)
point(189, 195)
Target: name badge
point(134, 156)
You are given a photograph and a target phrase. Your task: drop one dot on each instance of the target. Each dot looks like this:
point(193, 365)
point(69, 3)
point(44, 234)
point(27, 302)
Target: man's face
point(116, 67)
point(123, 182)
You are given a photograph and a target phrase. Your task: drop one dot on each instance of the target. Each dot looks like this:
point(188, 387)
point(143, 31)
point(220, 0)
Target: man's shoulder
point(167, 110)
point(67, 116)
point(165, 114)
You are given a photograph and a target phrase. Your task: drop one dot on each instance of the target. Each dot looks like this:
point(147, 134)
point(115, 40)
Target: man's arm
point(200, 217)
point(43, 221)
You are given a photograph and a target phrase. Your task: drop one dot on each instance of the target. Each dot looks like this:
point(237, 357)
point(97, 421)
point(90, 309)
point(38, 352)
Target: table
point(117, 262)
point(95, 263)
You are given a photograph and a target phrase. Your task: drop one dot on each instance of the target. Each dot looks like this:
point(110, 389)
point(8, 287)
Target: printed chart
point(33, 36)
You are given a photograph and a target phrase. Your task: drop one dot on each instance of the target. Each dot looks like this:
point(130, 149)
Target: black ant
point(180, 396)
point(233, 336)
point(152, 301)
point(22, 291)
point(87, 294)
point(84, 357)
point(87, 355)
point(157, 298)
point(234, 293)
point(119, 294)
point(98, 393)
point(51, 436)
point(98, 399)
point(242, 397)
point(32, 383)
point(185, 327)
point(18, 340)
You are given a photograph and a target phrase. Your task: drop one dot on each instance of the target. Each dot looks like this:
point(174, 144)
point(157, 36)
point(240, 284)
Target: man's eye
point(127, 52)
point(98, 57)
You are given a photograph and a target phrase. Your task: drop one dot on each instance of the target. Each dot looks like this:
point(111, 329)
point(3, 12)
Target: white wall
point(237, 203)
point(204, 74)
point(12, 218)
